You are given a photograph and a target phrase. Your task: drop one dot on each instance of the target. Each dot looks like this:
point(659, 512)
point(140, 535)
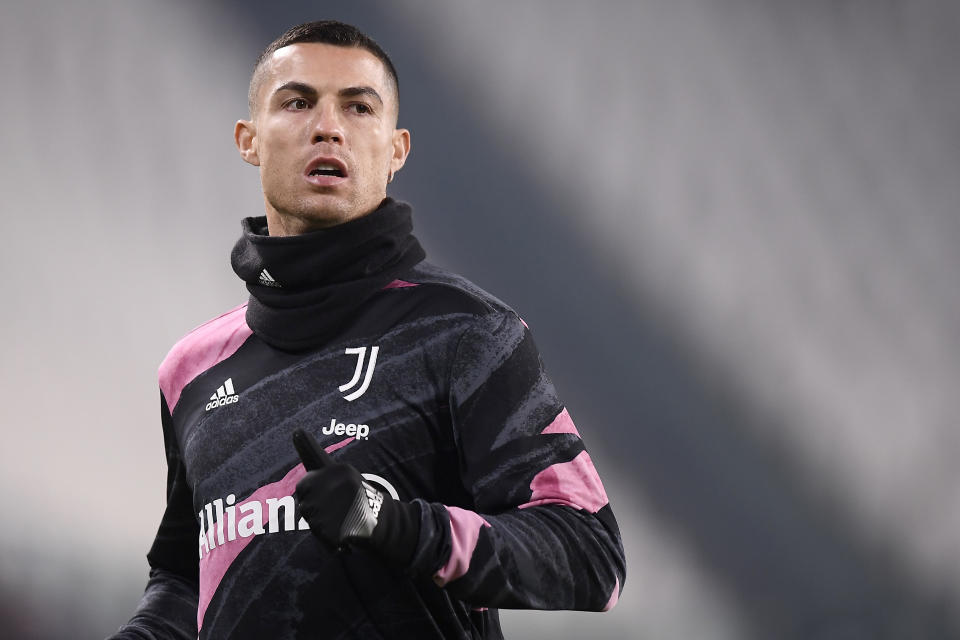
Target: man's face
point(324, 135)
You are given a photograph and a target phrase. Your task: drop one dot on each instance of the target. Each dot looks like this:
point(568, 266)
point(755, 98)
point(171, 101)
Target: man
point(369, 448)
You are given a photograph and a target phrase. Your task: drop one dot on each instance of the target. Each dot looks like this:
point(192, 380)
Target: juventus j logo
point(361, 353)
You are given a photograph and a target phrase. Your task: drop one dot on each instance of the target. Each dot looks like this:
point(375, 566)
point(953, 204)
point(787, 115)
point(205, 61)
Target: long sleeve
point(540, 532)
point(168, 608)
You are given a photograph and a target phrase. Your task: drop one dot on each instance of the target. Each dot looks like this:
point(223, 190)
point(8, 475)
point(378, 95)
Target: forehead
point(326, 67)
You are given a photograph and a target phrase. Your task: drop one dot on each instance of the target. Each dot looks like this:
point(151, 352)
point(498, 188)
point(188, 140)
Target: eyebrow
point(351, 92)
point(299, 87)
point(311, 92)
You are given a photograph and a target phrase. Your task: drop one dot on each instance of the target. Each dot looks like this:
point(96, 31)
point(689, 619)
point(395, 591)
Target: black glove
point(342, 508)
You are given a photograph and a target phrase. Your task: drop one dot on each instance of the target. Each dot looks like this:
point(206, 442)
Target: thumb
point(310, 451)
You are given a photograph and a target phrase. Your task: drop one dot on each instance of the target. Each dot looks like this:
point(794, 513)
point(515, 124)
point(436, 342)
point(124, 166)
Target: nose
point(327, 126)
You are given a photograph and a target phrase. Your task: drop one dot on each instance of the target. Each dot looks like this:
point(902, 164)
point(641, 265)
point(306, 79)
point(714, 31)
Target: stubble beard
point(303, 212)
point(308, 214)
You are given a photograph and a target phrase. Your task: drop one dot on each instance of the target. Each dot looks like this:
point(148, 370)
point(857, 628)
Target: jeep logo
point(360, 431)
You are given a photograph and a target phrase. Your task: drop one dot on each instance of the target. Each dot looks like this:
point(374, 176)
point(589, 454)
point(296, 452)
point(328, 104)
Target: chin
point(317, 211)
point(324, 211)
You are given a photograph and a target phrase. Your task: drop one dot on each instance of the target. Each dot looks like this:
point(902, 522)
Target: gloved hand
point(342, 508)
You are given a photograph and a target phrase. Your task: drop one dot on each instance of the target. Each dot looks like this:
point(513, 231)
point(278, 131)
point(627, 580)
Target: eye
point(360, 107)
point(297, 104)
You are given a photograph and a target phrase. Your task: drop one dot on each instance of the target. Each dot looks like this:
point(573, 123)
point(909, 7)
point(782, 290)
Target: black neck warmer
point(305, 288)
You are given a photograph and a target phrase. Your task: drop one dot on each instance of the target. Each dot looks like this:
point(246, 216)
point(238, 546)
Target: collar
point(305, 288)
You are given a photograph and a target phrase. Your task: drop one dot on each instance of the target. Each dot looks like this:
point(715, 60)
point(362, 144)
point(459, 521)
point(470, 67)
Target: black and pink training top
point(431, 388)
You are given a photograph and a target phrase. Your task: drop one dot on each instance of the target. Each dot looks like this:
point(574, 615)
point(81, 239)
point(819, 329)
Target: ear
point(401, 149)
point(245, 136)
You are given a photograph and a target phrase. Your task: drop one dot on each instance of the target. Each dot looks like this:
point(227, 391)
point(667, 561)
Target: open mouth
point(324, 170)
point(327, 170)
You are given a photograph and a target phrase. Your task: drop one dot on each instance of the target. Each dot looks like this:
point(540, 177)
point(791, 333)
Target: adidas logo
point(225, 395)
point(374, 500)
point(267, 280)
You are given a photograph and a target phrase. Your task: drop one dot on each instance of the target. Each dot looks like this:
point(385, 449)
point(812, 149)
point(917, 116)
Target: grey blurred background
point(732, 226)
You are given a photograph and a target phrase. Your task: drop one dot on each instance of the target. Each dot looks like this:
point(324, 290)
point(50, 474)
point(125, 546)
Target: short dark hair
point(326, 32)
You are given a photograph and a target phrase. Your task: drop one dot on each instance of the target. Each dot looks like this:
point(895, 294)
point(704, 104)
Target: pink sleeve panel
point(464, 532)
point(563, 423)
point(202, 348)
point(574, 484)
point(613, 596)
